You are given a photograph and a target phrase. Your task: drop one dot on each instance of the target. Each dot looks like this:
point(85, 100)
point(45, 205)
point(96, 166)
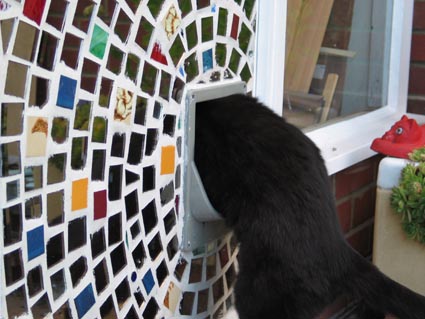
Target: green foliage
point(408, 198)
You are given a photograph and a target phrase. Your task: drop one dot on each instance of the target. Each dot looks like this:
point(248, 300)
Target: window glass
point(337, 59)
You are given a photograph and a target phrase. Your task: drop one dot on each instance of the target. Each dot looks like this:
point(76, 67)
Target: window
point(345, 70)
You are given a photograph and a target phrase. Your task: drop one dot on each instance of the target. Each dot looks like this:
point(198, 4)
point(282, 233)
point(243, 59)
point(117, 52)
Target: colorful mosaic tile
point(171, 22)
point(207, 60)
point(67, 91)
point(92, 144)
point(35, 242)
point(98, 42)
point(37, 132)
point(33, 9)
point(84, 301)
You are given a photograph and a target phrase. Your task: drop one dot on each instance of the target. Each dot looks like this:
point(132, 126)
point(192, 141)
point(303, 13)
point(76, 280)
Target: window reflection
point(337, 63)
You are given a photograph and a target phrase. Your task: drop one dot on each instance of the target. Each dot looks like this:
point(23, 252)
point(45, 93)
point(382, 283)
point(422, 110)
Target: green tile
point(246, 73)
point(98, 42)
point(234, 61)
point(207, 29)
point(59, 129)
point(144, 34)
point(115, 60)
point(220, 54)
point(191, 67)
point(244, 38)
point(185, 6)
point(79, 152)
point(155, 7)
point(191, 35)
point(248, 6)
point(164, 89)
point(222, 22)
point(149, 79)
point(82, 115)
point(132, 66)
point(99, 130)
point(176, 50)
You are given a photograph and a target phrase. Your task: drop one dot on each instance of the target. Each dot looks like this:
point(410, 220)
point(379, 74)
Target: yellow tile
point(79, 194)
point(168, 159)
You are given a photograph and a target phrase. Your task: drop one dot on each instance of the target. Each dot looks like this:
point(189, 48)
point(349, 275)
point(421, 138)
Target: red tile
point(33, 9)
point(157, 54)
point(100, 208)
point(235, 27)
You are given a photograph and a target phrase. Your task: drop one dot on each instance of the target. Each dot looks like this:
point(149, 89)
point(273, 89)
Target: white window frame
point(347, 141)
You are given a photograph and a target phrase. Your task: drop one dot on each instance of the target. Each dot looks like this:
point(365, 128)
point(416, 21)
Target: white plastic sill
point(348, 142)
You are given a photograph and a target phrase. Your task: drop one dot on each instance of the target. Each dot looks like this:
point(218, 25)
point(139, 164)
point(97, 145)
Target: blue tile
point(181, 70)
point(35, 242)
point(207, 60)
point(148, 281)
point(66, 94)
point(84, 301)
point(133, 276)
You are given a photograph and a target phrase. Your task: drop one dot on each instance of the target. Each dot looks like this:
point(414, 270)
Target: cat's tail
point(383, 294)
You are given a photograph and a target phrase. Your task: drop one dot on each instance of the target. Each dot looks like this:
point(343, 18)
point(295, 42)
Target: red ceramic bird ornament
point(403, 137)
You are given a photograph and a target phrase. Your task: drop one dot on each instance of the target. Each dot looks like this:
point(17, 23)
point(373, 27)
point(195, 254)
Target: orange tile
point(168, 159)
point(79, 194)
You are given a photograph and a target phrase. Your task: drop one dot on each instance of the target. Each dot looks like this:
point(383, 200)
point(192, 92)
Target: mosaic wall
point(92, 122)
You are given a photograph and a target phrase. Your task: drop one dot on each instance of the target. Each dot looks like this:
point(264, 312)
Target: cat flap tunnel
point(202, 223)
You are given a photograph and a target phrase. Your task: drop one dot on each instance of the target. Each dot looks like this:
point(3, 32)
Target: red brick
point(419, 15)
point(362, 240)
point(364, 207)
point(418, 48)
point(354, 178)
point(344, 215)
point(416, 106)
point(417, 79)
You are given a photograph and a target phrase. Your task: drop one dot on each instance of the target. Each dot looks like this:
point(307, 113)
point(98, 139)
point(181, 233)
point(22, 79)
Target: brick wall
point(354, 190)
point(355, 187)
point(416, 102)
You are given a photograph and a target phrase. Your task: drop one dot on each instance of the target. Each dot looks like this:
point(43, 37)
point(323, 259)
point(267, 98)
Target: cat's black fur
point(269, 182)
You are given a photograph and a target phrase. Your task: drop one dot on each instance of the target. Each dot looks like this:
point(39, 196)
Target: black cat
point(269, 182)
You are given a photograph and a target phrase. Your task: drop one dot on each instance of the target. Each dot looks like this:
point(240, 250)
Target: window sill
point(347, 142)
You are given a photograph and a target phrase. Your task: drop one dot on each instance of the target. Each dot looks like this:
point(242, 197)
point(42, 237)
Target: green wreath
point(408, 199)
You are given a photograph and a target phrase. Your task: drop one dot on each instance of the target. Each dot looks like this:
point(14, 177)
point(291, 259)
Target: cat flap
point(201, 222)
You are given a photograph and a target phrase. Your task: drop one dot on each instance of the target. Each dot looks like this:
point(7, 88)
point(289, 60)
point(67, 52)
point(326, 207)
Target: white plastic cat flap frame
point(202, 223)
